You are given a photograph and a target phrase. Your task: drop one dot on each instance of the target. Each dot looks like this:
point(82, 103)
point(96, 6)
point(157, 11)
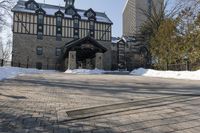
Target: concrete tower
point(133, 18)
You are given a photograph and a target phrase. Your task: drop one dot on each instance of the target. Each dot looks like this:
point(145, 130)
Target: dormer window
point(59, 21)
point(90, 14)
point(76, 23)
point(70, 11)
point(91, 24)
point(59, 16)
point(31, 5)
point(40, 22)
point(76, 18)
point(40, 18)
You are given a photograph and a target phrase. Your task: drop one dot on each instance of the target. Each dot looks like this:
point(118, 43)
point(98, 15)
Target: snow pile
point(85, 71)
point(190, 75)
point(11, 72)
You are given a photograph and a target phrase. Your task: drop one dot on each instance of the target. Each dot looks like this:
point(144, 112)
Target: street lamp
point(186, 59)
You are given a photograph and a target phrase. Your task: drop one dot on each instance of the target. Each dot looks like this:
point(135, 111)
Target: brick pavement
point(61, 103)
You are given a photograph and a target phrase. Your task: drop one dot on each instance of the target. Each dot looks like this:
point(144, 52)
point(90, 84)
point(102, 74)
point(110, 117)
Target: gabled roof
point(78, 42)
point(59, 13)
point(40, 10)
point(31, 1)
point(51, 10)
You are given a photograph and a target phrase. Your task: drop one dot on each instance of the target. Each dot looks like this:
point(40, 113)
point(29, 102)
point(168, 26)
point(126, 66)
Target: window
point(92, 26)
point(40, 26)
point(31, 6)
point(59, 37)
point(40, 22)
point(70, 11)
point(40, 35)
point(39, 65)
point(76, 26)
point(40, 18)
point(58, 51)
point(76, 23)
point(90, 14)
point(39, 51)
point(59, 16)
point(59, 21)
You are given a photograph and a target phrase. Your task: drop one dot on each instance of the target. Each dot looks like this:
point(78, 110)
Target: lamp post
point(186, 59)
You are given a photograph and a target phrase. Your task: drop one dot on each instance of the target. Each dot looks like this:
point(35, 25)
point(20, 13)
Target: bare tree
point(5, 10)
point(5, 15)
point(5, 48)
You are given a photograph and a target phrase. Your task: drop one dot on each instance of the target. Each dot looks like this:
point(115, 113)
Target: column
point(99, 61)
point(72, 60)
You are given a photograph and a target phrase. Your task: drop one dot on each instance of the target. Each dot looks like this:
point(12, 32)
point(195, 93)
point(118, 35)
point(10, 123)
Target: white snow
point(85, 71)
point(11, 72)
point(188, 75)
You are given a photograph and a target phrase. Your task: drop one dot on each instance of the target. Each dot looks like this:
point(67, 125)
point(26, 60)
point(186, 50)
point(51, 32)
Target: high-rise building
point(133, 16)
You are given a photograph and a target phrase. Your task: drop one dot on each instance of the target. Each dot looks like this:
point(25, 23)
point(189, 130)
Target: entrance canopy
point(85, 48)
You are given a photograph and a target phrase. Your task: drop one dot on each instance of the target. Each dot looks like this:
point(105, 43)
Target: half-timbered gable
point(31, 5)
point(42, 20)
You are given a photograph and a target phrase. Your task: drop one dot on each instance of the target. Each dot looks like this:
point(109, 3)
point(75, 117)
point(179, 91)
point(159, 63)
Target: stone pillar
point(99, 61)
point(72, 60)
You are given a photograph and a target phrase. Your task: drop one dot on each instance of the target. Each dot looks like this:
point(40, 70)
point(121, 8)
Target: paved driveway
point(64, 103)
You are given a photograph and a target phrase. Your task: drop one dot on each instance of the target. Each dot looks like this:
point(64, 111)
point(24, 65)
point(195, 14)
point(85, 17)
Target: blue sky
point(113, 9)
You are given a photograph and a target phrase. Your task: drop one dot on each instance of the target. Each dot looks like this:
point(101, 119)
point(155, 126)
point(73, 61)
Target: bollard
point(2, 62)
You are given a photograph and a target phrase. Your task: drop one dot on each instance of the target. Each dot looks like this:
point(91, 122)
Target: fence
point(59, 67)
point(47, 66)
point(184, 66)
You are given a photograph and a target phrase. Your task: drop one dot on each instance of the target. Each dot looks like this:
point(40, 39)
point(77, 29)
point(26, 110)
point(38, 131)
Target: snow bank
point(190, 75)
point(85, 71)
point(11, 72)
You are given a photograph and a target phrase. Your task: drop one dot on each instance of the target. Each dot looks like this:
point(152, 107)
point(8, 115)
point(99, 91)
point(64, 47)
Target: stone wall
point(107, 55)
point(24, 47)
point(24, 50)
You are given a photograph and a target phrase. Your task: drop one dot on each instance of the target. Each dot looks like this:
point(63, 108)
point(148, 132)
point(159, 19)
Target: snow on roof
point(52, 9)
point(115, 39)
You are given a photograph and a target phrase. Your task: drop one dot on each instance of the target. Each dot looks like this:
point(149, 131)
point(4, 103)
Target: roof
point(52, 9)
point(76, 42)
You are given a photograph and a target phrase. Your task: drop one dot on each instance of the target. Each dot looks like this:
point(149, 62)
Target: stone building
point(54, 37)
point(133, 16)
point(129, 53)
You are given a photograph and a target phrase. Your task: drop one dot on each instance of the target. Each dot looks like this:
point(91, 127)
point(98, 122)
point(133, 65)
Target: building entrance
point(85, 53)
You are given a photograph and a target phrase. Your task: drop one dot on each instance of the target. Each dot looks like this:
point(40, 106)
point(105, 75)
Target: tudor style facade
point(51, 37)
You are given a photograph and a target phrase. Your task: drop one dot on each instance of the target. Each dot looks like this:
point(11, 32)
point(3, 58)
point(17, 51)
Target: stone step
point(123, 107)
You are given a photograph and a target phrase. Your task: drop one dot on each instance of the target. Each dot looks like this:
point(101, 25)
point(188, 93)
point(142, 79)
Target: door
point(39, 65)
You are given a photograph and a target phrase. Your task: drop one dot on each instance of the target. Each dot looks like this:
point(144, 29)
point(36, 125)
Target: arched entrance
point(85, 53)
